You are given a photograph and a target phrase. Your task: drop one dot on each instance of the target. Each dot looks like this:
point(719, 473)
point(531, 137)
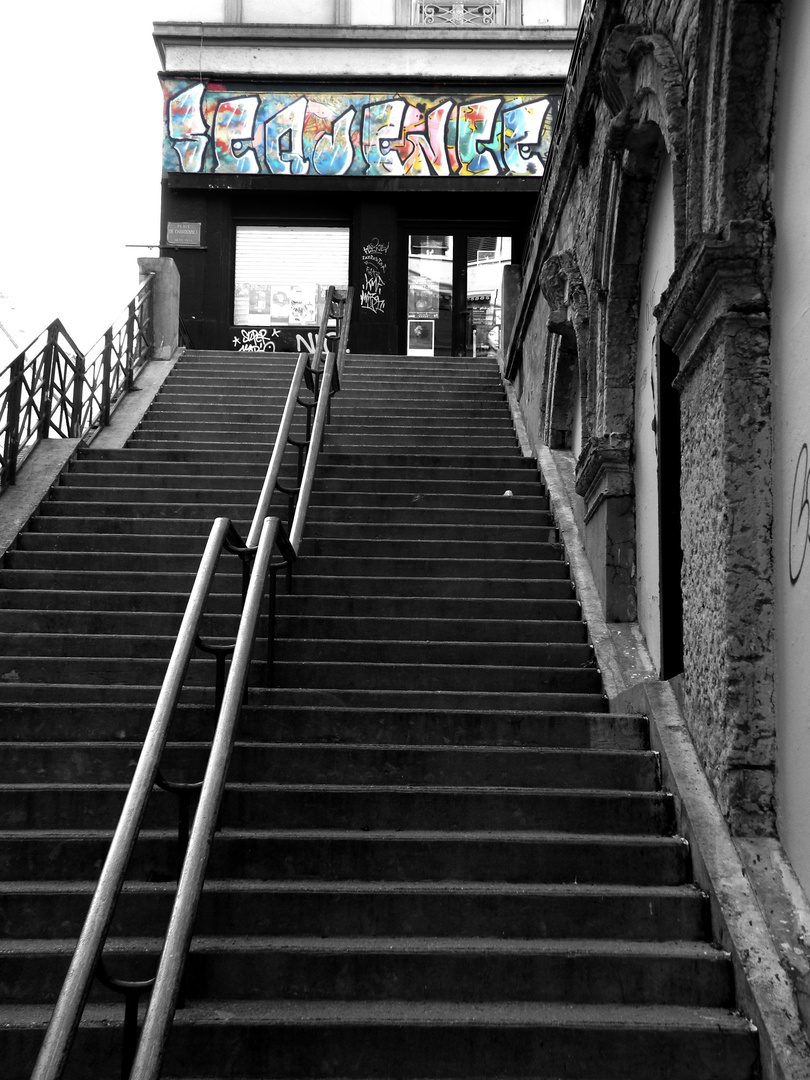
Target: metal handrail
point(169, 978)
point(87, 958)
point(277, 457)
point(53, 388)
point(168, 982)
point(331, 365)
point(70, 1004)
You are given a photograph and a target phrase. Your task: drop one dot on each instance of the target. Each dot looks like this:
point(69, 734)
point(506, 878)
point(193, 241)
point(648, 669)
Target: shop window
point(283, 273)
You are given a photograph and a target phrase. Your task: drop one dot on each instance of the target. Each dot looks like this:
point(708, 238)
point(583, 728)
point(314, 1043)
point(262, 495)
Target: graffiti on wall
point(210, 128)
point(273, 339)
point(375, 271)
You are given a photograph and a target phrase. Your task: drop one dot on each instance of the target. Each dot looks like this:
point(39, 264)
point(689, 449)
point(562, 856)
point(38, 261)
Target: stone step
point(402, 481)
point(326, 675)
point(123, 644)
point(359, 855)
point(134, 464)
point(357, 548)
point(198, 524)
point(374, 446)
point(373, 909)
point(350, 764)
point(17, 690)
point(361, 1039)
point(330, 456)
point(397, 969)
point(331, 723)
point(312, 604)
point(85, 801)
point(344, 629)
point(179, 584)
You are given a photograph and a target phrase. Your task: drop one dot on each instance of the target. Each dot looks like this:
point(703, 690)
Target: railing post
point(75, 428)
point(47, 382)
point(129, 366)
point(106, 378)
point(165, 318)
point(12, 447)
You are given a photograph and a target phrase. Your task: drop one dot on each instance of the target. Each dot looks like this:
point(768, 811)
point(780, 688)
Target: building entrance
point(454, 286)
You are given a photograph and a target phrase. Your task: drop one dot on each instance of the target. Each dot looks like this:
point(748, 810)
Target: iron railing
point(142, 1057)
point(457, 13)
point(53, 389)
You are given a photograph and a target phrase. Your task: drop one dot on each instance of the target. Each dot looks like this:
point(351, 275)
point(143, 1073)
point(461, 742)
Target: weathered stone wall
point(695, 78)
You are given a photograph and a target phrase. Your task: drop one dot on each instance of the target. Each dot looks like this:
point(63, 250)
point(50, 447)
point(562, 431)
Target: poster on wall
point(421, 337)
point(239, 129)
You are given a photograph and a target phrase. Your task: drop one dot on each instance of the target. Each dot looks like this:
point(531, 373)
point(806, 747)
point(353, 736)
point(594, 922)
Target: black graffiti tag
point(799, 538)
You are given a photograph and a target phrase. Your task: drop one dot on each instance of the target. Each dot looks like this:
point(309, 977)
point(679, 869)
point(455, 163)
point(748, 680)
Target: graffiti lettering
point(255, 341)
point(476, 132)
point(375, 267)
point(187, 130)
point(233, 135)
point(522, 136)
point(284, 140)
point(212, 129)
point(799, 537)
point(332, 153)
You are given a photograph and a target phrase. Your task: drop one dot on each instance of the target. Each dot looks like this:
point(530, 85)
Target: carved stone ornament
point(642, 82)
point(564, 290)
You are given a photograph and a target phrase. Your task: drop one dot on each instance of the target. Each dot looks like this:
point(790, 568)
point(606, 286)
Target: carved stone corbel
point(642, 83)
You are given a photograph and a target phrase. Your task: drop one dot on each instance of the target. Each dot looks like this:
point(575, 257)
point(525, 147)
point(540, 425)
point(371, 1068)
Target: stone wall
point(694, 79)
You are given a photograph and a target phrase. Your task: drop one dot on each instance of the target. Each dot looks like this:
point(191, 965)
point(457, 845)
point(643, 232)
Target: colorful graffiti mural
point(210, 128)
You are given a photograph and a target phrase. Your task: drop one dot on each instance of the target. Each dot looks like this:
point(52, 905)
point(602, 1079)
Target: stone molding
point(563, 287)
point(644, 89)
point(721, 277)
point(604, 471)
point(641, 81)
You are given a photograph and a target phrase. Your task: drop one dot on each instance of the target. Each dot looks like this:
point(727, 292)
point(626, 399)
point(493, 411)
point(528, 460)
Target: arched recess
point(568, 412)
point(644, 91)
point(643, 87)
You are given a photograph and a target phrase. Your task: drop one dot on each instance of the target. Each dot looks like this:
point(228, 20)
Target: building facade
point(395, 147)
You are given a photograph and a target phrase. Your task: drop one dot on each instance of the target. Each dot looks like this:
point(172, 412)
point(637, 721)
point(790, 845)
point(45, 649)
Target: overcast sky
point(80, 175)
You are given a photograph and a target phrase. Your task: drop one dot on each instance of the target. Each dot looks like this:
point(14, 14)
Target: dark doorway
point(669, 504)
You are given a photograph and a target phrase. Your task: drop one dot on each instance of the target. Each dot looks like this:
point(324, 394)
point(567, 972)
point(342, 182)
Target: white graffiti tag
point(255, 341)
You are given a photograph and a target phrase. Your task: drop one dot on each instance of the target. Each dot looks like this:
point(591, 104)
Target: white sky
point(80, 172)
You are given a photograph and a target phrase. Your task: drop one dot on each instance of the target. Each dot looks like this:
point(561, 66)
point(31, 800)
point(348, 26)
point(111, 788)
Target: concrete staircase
point(440, 855)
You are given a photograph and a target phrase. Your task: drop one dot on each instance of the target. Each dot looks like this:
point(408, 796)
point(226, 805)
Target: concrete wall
point(364, 53)
point(656, 269)
point(791, 387)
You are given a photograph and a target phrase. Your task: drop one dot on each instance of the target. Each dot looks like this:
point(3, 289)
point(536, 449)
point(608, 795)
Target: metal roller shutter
point(283, 272)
